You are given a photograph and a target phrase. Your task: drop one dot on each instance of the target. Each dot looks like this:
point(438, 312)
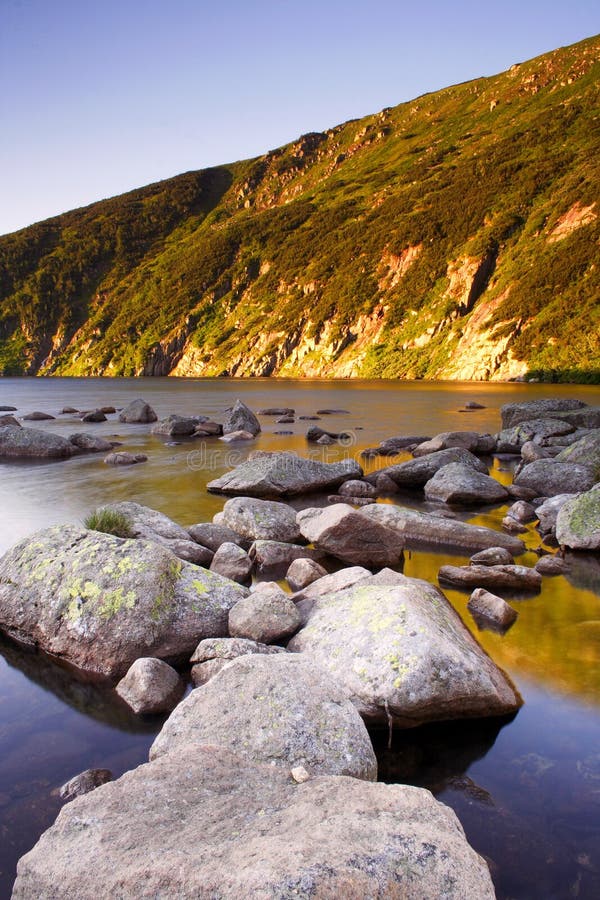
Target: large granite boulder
point(206, 823)
point(416, 472)
point(514, 579)
point(283, 475)
point(90, 443)
point(345, 533)
point(585, 451)
point(536, 431)
point(16, 442)
point(153, 525)
point(578, 522)
point(280, 708)
point(233, 562)
point(151, 686)
point(256, 519)
point(462, 485)
point(241, 418)
point(212, 536)
point(101, 602)
point(514, 413)
point(266, 616)
point(138, 411)
point(418, 529)
point(549, 477)
point(402, 651)
point(178, 426)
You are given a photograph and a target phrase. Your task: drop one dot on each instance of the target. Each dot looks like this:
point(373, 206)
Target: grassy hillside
point(455, 236)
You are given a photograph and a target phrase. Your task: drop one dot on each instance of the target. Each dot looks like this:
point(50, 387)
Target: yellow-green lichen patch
point(163, 602)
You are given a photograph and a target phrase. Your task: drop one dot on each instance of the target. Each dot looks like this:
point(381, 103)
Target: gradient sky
point(101, 96)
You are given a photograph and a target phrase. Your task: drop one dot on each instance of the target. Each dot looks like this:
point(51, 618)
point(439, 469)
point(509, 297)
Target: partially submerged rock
point(90, 443)
point(204, 822)
point(416, 472)
point(550, 476)
point(124, 458)
point(578, 522)
point(402, 651)
point(283, 475)
point(279, 708)
point(241, 418)
point(84, 783)
point(151, 686)
point(462, 485)
point(514, 413)
point(16, 442)
point(177, 426)
point(345, 533)
point(518, 579)
point(486, 605)
point(258, 519)
point(493, 556)
point(138, 411)
point(38, 417)
point(101, 602)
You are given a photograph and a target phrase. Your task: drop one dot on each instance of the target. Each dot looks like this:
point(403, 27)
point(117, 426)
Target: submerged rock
point(101, 602)
point(283, 475)
point(520, 579)
point(123, 458)
point(37, 417)
point(16, 442)
point(90, 443)
point(241, 418)
point(462, 485)
point(204, 822)
point(138, 411)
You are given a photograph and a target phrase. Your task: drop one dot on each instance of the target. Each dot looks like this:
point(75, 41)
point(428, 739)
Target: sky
point(101, 96)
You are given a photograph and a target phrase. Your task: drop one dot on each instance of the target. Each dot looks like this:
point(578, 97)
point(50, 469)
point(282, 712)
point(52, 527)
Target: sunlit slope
point(455, 236)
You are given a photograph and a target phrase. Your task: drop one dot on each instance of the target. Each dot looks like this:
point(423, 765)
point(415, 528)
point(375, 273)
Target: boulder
point(177, 426)
point(355, 501)
point(514, 413)
point(90, 443)
point(272, 559)
point(10, 420)
point(549, 477)
point(202, 672)
point(94, 415)
point(241, 418)
point(468, 440)
point(512, 526)
point(123, 458)
point(257, 519)
point(208, 428)
point(531, 451)
point(284, 475)
point(155, 526)
point(316, 435)
point(403, 652)
point(585, 451)
point(266, 616)
point(493, 556)
point(5, 408)
point(101, 602)
point(232, 562)
point(276, 411)
point(212, 536)
point(37, 417)
point(418, 529)
point(17, 442)
point(303, 572)
point(578, 522)
point(355, 488)
point(204, 822)
point(233, 437)
point(68, 410)
point(188, 550)
point(84, 783)
point(151, 686)
point(547, 512)
point(385, 485)
point(535, 431)
point(331, 584)
point(345, 532)
point(392, 446)
point(281, 708)
point(230, 648)
point(551, 565)
point(462, 485)
point(483, 604)
point(514, 579)
point(522, 511)
point(416, 472)
point(138, 411)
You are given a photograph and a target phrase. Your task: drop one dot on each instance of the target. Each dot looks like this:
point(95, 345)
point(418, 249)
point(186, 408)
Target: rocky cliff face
point(452, 237)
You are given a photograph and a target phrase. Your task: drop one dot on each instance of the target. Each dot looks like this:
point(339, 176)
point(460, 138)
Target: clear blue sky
point(101, 96)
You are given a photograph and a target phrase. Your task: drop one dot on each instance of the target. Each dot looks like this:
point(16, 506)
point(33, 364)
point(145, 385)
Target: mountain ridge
point(452, 236)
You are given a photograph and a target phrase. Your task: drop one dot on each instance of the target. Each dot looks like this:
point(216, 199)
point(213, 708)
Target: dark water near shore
point(527, 791)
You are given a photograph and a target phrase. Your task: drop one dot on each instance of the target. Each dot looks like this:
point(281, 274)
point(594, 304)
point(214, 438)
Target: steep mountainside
point(455, 236)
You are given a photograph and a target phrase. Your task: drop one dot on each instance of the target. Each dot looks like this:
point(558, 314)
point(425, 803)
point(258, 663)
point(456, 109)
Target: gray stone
point(123, 458)
point(511, 578)
point(10, 420)
point(549, 477)
point(385, 485)
point(418, 529)
point(138, 411)
point(283, 475)
point(230, 648)
point(177, 426)
point(354, 501)
point(208, 428)
point(265, 616)
point(325, 439)
point(233, 437)
point(84, 783)
point(16, 442)
point(101, 602)
point(535, 431)
point(204, 671)
point(461, 485)
point(547, 512)
point(551, 565)
point(276, 411)
point(94, 415)
point(303, 572)
point(90, 443)
point(189, 550)
point(212, 536)
point(5, 408)
point(514, 413)
point(155, 526)
point(392, 446)
point(402, 651)
point(585, 451)
point(241, 418)
point(259, 519)
point(416, 472)
point(37, 417)
point(345, 533)
point(512, 526)
point(493, 556)
point(489, 606)
point(522, 511)
point(468, 440)
point(578, 522)
point(355, 488)
point(272, 559)
point(232, 562)
point(204, 822)
point(331, 584)
point(151, 686)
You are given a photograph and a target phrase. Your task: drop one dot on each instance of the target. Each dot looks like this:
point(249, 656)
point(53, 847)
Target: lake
point(527, 791)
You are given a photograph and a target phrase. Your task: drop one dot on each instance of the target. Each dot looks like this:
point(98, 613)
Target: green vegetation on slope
point(453, 236)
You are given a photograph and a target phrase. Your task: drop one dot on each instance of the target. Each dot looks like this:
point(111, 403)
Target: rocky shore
point(301, 632)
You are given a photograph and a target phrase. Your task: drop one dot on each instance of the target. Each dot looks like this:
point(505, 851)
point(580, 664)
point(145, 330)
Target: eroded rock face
point(259, 519)
point(279, 708)
point(16, 442)
point(402, 649)
point(461, 485)
point(283, 475)
point(550, 476)
point(138, 411)
point(578, 522)
point(151, 686)
point(345, 533)
point(101, 602)
point(226, 827)
point(241, 418)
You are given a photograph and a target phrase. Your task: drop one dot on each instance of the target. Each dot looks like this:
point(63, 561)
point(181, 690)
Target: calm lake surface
point(527, 791)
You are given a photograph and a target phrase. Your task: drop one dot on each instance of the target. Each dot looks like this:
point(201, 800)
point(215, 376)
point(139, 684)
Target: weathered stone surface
point(189, 550)
point(547, 512)
point(94, 415)
point(276, 411)
point(84, 783)
point(280, 708)
point(418, 529)
point(535, 431)
point(519, 579)
point(345, 533)
point(355, 501)
point(272, 559)
point(303, 572)
point(138, 411)
point(16, 442)
point(468, 440)
point(551, 565)
point(331, 584)
point(212, 536)
point(386, 485)
point(392, 446)
point(402, 649)
point(549, 477)
point(123, 458)
point(241, 418)
point(585, 451)
point(5, 408)
point(461, 485)
point(355, 488)
point(493, 556)
point(284, 475)
point(232, 562)
point(265, 616)
point(155, 526)
point(205, 823)
point(90, 443)
point(202, 672)
point(531, 451)
point(101, 602)
point(259, 519)
point(578, 522)
point(511, 525)
point(233, 437)
point(37, 417)
point(230, 648)
point(333, 412)
point(522, 511)
point(514, 413)
point(489, 606)
point(416, 472)
point(10, 420)
point(151, 686)
point(177, 426)
point(208, 428)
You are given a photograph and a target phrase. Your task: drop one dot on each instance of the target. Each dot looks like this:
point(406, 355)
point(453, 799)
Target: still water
point(527, 791)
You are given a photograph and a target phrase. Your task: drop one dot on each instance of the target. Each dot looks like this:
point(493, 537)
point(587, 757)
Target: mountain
point(452, 237)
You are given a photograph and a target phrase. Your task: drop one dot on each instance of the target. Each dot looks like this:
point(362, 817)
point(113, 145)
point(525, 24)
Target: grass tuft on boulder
point(109, 521)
